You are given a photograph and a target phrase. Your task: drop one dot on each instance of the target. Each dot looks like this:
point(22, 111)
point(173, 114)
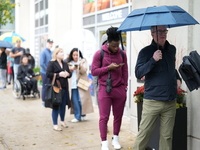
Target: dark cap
point(27, 51)
point(50, 41)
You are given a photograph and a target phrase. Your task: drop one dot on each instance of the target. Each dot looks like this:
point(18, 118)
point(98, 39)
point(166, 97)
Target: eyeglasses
point(161, 31)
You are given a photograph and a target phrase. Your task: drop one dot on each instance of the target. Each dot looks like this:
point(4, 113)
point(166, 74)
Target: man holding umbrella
point(157, 63)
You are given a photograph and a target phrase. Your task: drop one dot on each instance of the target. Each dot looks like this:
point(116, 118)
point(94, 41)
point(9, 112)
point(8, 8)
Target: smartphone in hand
point(121, 64)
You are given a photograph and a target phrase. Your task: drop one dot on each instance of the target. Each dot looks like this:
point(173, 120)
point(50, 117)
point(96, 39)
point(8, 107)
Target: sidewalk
point(26, 125)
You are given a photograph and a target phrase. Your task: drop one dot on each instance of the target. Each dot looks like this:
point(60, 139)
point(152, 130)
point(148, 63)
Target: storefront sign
point(112, 15)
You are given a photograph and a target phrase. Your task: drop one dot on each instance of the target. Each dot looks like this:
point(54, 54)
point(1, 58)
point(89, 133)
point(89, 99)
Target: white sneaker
point(104, 145)
point(74, 120)
point(115, 142)
point(84, 118)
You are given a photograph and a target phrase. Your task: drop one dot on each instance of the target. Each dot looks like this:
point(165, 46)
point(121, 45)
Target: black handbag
point(54, 93)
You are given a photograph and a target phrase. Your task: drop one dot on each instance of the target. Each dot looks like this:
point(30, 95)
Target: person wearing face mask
point(45, 57)
point(112, 74)
point(58, 66)
point(81, 99)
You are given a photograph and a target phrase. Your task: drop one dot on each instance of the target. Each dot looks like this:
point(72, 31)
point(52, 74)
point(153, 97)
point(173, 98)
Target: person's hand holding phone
point(113, 66)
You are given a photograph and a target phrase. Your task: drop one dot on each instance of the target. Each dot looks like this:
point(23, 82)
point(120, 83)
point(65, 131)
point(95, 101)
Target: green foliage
point(6, 12)
point(36, 69)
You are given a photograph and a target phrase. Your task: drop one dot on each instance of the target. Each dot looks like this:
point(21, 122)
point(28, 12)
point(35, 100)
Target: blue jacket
point(45, 57)
point(161, 76)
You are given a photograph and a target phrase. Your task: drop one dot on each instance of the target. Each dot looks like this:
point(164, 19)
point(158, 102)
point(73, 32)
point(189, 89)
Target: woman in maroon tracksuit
point(111, 93)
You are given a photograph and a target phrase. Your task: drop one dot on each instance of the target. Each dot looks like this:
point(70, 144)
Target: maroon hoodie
point(119, 76)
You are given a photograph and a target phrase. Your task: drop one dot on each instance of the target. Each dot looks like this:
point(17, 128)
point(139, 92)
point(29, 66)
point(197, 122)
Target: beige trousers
point(151, 110)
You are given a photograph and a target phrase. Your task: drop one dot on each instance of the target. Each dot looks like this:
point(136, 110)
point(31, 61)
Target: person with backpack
point(112, 72)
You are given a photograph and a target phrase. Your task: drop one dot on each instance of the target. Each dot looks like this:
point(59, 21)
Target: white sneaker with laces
point(115, 142)
point(74, 120)
point(104, 145)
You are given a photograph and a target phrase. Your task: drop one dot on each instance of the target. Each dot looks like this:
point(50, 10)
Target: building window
point(41, 26)
point(41, 13)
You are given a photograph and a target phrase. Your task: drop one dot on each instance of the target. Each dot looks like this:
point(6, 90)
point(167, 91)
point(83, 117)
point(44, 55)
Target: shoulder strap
point(122, 53)
point(102, 55)
point(57, 81)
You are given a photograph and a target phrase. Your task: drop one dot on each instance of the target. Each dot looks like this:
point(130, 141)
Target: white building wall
point(63, 16)
point(185, 39)
point(22, 24)
point(193, 102)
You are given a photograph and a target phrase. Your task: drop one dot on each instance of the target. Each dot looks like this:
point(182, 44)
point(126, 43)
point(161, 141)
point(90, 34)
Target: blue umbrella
point(5, 44)
point(143, 19)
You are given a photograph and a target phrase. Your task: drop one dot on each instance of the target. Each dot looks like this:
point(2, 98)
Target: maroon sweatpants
point(116, 98)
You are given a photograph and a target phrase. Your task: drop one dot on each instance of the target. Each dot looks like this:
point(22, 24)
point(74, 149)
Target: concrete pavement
point(26, 125)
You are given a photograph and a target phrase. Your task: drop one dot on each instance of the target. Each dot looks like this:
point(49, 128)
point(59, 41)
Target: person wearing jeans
point(60, 68)
point(16, 53)
point(77, 104)
point(61, 110)
point(81, 99)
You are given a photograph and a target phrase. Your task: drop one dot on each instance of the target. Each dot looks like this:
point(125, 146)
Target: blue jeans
point(45, 80)
point(61, 109)
point(77, 104)
point(15, 69)
point(3, 77)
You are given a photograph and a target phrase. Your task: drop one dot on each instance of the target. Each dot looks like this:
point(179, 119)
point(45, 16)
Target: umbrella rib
point(142, 20)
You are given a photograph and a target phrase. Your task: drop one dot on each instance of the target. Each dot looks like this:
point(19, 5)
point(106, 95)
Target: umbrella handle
point(157, 38)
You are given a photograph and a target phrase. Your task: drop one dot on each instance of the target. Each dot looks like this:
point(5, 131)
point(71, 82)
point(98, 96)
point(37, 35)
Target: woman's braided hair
point(113, 35)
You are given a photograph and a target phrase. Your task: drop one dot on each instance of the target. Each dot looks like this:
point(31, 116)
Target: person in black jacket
point(58, 66)
point(3, 66)
point(157, 63)
point(26, 74)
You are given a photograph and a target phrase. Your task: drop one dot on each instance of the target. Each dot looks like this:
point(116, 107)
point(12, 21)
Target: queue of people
point(156, 62)
point(10, 62)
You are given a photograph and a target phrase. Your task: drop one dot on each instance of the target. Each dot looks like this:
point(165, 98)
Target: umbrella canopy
point(79, 38)
point(11, 37)
point(5, 44)
point(143, 19)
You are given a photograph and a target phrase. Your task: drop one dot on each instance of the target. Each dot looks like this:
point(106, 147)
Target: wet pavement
point(26, 125)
